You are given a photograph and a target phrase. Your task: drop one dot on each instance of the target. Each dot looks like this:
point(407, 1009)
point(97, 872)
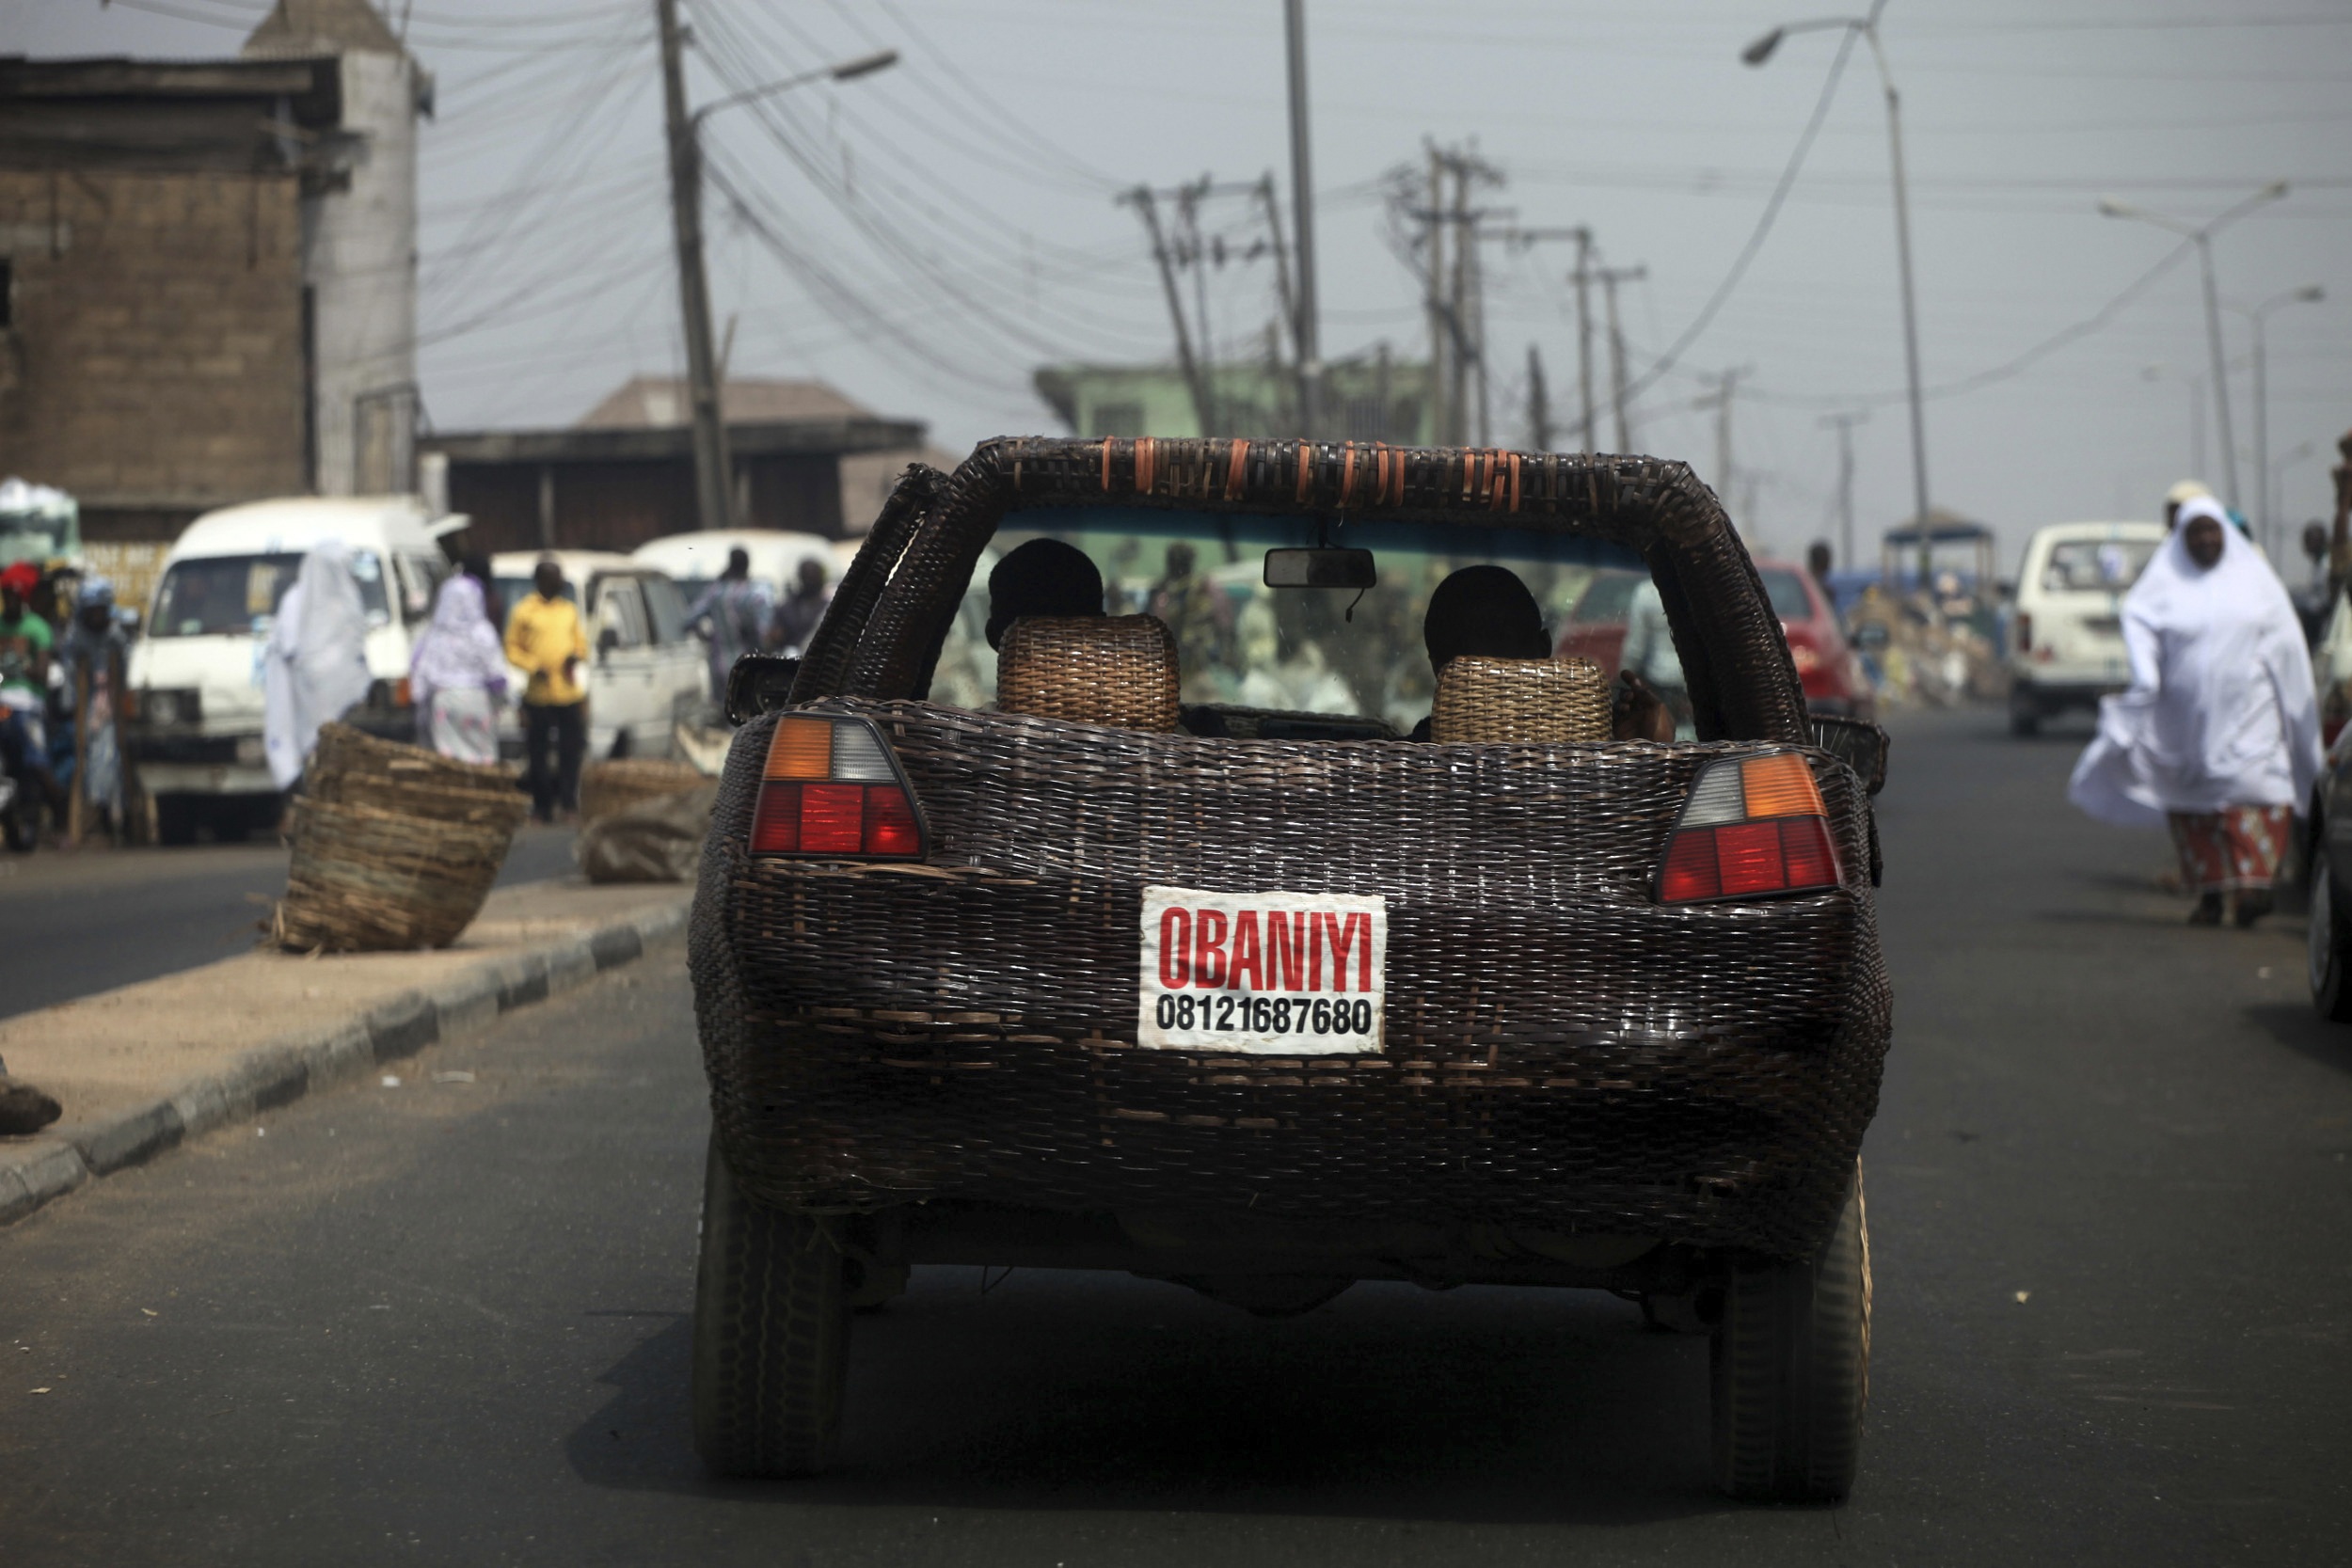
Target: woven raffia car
point(1153, 942)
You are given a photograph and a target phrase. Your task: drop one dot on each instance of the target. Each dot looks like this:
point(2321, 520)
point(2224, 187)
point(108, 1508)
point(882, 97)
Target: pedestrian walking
point(91, 654)
point(733, 615)
point(546, 641)
point(457, 677)
point(802, 610)
point(316, 668)
point(2218, 733)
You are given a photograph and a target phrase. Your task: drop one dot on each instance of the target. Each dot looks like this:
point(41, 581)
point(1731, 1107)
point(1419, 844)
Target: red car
point(1834, 679)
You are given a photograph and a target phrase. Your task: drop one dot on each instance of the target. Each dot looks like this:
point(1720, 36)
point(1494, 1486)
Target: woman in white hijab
point(458, 676)
point(317, 665)
point(2218, 733)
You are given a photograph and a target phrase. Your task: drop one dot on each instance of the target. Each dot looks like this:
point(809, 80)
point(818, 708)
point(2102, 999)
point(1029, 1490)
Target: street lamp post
point(714, 467)
point(1756, 53)
point(2202, 238)
point(2266, 492)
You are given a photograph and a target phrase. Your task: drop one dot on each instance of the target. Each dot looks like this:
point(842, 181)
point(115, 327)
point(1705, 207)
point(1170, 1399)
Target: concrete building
point(806, 459)
point(207, 271)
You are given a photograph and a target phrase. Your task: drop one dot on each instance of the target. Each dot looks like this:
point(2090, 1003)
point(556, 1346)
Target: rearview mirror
point(1856, 742)
point(758, 684)
point(1321, 568)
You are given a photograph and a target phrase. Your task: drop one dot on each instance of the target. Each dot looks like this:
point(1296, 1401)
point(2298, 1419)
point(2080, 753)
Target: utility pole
point(1144, 202)
point(1582, 278)
point(1457, 395)
point(1538, 404)
point(1306, 323)
point(714, 486)
point(1843, 424)
point(1289, 300)
point(1727, 388)
point(1188, 201)
point(1609, 278)
point(1441, 367)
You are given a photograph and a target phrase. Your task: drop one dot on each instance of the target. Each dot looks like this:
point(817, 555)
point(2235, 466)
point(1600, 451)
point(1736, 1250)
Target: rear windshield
point(223, 594)
point(2096, 565)
point(1293, 650)
point(1791, 602)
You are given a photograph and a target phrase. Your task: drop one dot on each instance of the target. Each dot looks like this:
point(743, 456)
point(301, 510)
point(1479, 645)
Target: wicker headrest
point(1117, 670)
point(1531, 700)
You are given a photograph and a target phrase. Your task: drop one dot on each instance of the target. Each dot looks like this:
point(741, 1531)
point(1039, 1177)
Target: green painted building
point(1373, 398)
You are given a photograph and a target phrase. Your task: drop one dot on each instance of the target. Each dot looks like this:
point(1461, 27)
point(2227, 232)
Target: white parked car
point(194, 725)
point(645, 668)
point(2066, 636)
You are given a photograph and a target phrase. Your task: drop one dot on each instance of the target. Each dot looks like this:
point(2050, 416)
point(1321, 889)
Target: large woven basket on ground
point(393, 847)
point(607, 788)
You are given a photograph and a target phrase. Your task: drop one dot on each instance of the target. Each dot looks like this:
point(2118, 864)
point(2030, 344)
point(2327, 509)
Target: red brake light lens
point(833, 788)
point(1750, 826)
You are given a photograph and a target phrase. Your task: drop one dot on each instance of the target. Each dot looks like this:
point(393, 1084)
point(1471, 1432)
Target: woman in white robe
point(458, 676)
point(316, 669)
point(2218, 733)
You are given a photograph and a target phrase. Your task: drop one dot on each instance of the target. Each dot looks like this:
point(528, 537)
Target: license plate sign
point(1263, 973)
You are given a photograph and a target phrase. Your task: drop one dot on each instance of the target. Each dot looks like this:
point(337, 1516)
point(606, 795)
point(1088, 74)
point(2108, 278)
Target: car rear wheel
point(771, 1335)
point(2331, 996)
point(2024, 720)
point(1791, 1370)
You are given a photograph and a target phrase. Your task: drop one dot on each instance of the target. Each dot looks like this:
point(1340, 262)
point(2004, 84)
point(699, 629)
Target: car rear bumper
point(2052, 696)
point(1578, 1061)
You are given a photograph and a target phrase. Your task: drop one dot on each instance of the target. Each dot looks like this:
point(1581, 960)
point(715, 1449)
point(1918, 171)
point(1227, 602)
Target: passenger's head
point(548, 578)
point(738, 565)
point(1486, 611)
point(1043, 577)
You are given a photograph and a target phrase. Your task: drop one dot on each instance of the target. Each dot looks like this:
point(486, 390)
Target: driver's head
point(1043, 577)
point(1486, 611)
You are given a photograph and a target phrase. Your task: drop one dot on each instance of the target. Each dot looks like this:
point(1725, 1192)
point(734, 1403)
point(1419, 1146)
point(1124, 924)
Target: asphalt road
point(445, 1321)
point(75, 923)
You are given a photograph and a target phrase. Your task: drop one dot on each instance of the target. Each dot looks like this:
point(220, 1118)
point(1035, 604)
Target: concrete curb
point(37, 1170)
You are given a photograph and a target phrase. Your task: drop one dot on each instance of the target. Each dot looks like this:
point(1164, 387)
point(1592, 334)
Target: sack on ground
point(654, 841)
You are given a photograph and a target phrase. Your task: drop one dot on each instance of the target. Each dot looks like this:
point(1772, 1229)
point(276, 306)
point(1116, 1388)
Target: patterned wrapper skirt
point(462, 725)
point(2235, 849)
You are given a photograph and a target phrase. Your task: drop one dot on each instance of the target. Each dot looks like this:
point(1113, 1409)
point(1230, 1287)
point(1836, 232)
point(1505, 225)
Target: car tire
point(2331, 988)
point(2025, 721)
point(1791, 1370)
point(175, 819)
point(771, 1335)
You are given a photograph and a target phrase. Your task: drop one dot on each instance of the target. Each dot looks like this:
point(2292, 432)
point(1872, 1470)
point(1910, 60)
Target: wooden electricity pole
point(714, 488)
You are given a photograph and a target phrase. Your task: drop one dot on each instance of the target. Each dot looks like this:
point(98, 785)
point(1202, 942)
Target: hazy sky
point(923, 238)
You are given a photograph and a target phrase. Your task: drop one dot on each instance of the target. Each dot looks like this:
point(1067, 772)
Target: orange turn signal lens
point(1779, 785)
point(801, 749)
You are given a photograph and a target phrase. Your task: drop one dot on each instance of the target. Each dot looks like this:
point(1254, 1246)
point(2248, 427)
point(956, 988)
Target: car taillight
point(1807, 658)
point(831, 790)
point(1752, 825)
point(2024, 633)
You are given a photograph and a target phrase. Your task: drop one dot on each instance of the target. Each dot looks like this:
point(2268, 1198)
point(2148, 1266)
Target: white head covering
point(460, 650)
point(2221, 709)
point(318, 664)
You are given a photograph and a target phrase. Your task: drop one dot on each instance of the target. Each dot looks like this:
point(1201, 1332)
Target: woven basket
point(610, 788)
point(1528, 701)
point(1116, 669)
point(365, 880)
point(351, 768)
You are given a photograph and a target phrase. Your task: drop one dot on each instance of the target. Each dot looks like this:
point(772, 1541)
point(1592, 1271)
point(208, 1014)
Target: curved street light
point(2203, 238)
point(1866, 26)
point(2266, 486)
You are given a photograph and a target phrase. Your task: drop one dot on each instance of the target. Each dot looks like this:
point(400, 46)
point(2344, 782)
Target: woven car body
point(1561, 1054)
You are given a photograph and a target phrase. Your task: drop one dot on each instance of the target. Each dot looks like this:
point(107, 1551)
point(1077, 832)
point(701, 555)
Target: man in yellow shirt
point(546, 641)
